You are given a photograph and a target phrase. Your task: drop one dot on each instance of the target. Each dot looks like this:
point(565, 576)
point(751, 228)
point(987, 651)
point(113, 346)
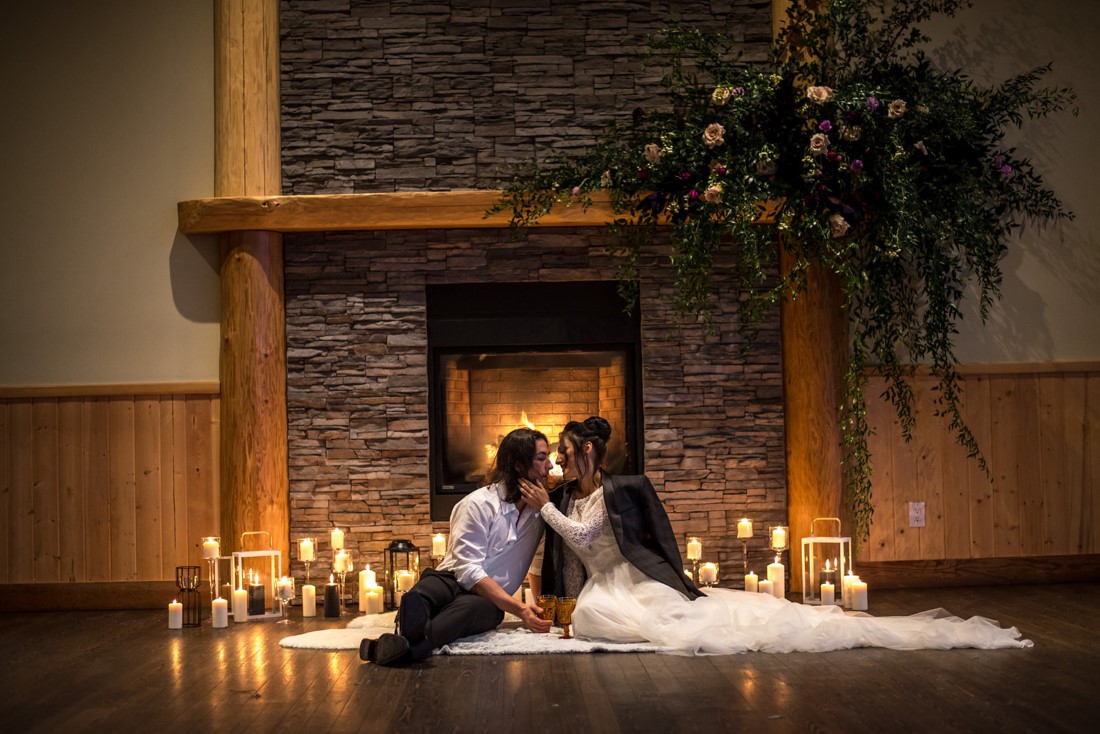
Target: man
point(494, 535)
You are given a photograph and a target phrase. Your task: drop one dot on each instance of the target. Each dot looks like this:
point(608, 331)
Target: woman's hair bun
point(599, 426)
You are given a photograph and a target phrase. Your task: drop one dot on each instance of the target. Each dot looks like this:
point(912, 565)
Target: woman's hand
point(533, 494)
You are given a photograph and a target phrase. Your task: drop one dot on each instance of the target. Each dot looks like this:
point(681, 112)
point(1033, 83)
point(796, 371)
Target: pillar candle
point(175, 615)
point(439, 545)
point(828, 593)
point(708, 573)
point(332, 599)
point(371, 578)
point(309, 600)
point(846, 589)
point(374, 601)
point(337, 538)
point(210, 548)
point(219, 613)
point(305, 550)
point(775, 575)
point(751, 581)
point(744, 528)
point(240, 605)
point(765, 587)
point(694, 549)
point(257, 600)
point(859, 596)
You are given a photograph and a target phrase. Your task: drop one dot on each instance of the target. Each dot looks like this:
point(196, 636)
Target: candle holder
point(744, 532)
point(188, 579)
point(285, 591)
point(307, 553)
point(708, 574)
point(343, 564)
point(694, 546)
point(402, 562)
point(211, 551)
point(274, 559)
point(825, 559)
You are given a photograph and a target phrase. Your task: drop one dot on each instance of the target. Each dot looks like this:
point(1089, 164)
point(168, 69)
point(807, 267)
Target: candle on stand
point(337, 539)
point(779, 537)
point(341, 563)
point(309, 600)
point(752, 581)
point(694, 549)
point(210, 548)
point(828, 593)
point(765, 587)
point(306, 551)
point(776, 576)
point(257, 598)
point(439, 545)
point(708, 573)
point(332, 598)
point(175, 615)
point(859, 595)
point(219, 613)
point(744, 528)
point(240, 605)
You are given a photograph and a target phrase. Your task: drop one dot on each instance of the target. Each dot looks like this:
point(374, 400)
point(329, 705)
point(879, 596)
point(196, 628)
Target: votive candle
point(405, 580)
point(210, 548)
point(744, 528)
point(708, 573)
point(306, 550)
point(694, 549)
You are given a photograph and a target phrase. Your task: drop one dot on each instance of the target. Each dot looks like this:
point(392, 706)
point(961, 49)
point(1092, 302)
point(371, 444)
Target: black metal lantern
point(402, 570)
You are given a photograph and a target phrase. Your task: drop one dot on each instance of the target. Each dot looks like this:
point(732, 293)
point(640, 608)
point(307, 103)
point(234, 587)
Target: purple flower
point(831, 155)
point(643, 174)
point(720, 170)
point(1006, 170)
point(576, 190)
point(856, 166)
point(693, 194)
point(825, 126)
point(872, 103)
point(737, 91)
point(998, 161)
point(685, 175)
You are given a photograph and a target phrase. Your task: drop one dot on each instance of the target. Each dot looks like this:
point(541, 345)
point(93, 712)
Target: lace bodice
point(587, 531)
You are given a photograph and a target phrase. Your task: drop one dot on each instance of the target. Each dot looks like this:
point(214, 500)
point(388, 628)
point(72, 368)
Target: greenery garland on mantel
point(888, 172)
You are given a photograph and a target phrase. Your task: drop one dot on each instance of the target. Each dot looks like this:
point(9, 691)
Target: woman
point(636, 592)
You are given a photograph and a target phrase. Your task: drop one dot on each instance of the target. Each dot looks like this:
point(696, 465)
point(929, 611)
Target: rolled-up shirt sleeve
point(470, 545)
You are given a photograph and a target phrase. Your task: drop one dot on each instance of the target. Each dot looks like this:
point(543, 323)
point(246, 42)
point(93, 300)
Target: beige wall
point(108, 123)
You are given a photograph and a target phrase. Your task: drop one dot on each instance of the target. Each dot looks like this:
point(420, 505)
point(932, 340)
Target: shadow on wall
point(194, 260)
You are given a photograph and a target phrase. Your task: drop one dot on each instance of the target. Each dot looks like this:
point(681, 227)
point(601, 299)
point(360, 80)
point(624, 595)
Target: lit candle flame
point(527, 423)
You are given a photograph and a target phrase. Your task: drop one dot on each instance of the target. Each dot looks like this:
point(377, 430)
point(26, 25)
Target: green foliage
point(890, 173)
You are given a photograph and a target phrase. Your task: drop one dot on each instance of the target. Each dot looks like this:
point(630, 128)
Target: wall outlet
point(916, 514)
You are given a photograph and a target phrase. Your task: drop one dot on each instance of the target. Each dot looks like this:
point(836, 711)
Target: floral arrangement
point(886, 171)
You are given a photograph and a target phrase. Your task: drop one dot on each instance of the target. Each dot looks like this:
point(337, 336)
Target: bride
point(623, 558)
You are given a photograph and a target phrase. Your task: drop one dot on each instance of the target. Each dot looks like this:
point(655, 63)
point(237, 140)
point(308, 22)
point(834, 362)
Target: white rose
point(819, 143)
point(720, 96)
point(713, 194)
point(839, 225)
point(896, 109)
point(713, 135)
point(653, 153)
point(819, 94)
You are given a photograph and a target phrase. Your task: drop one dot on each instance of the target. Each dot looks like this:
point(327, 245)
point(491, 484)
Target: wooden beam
point(22, 392)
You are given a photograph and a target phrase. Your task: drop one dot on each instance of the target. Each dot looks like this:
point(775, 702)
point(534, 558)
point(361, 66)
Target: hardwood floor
point(123, 671)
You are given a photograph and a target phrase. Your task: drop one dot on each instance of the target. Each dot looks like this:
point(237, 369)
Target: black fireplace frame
point(473, 318)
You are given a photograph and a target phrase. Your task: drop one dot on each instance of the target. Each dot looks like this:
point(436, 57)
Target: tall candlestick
point(309, 600)
point(744, 528)
point(240, 605)
point(776, 576)
point(175, 615)
point(219, 613)
point(210, 548)
point(779, 538)
point(752, 581)
point(337, 539)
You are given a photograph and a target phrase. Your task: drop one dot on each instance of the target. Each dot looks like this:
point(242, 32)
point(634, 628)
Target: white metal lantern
point(825, 560)
point(274, 561)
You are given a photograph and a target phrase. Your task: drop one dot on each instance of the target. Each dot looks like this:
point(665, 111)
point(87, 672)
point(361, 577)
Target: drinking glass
point(565, 607)
point(548, 602)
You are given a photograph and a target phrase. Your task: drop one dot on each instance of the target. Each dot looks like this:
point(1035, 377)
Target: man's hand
point(532, 620)
point(533, 494)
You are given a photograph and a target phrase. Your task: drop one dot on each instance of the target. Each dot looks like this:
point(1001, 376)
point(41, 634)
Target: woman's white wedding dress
point(619, 603)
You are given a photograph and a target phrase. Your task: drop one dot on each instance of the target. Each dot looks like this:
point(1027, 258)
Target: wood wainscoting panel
point(106, 488)
point(1041, 497)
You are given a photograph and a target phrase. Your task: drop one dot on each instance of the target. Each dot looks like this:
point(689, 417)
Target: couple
point(609, 537)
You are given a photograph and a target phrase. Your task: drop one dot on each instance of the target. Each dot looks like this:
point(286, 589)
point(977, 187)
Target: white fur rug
point(509, 639)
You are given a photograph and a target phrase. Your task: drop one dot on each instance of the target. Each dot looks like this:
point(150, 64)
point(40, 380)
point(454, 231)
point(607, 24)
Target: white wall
point(108, 123)
point(1051, 304)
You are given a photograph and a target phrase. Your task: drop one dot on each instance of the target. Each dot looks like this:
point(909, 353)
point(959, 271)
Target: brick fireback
point(357, 388)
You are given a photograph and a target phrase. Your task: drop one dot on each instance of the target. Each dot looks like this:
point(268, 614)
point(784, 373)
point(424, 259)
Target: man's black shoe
point(412, 617)
point(386, 650)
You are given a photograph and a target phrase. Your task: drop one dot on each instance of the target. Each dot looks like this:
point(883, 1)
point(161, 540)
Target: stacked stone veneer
point(358, 385)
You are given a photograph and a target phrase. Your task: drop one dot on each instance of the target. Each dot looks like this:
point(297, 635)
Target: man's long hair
point(514, 459)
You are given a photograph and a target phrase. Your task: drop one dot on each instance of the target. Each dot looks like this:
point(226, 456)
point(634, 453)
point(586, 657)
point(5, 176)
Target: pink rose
point(713, 136)
point(819, 94)
point(896, 109)
point(839, 225)
point(819, 143)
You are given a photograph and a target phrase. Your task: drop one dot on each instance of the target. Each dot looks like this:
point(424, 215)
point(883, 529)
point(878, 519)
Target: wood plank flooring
point(123, 671)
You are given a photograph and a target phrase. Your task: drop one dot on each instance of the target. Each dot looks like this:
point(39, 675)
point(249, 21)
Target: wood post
point(254, 491)
point(814, 339)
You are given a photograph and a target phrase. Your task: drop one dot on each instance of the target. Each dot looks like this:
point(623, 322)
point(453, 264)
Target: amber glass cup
point(549, 604)
point(565, 607)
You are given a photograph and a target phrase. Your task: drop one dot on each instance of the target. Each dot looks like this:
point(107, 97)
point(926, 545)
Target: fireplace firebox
point(506, 355)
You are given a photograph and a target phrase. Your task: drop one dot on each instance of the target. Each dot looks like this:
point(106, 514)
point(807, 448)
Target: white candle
point(210, 548)
point(695, 549)
point(371, 579)
point(439, 545)
point(744, 528)
point(751, 581)
point(337, 538)
point(370, 600)
point(859, 596)
point(309, 600)
point(708, 573)
point(846, 589)
point(766, 587)
point(828, 593)
point(305, 550)
point(342, 558)
point(175, 615)
point(779, 538)
point(219, 613)
point(405, 580)
point(240, 605)
point(775, 575)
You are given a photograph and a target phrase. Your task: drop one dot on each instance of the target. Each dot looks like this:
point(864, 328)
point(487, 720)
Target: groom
point(494, 535)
